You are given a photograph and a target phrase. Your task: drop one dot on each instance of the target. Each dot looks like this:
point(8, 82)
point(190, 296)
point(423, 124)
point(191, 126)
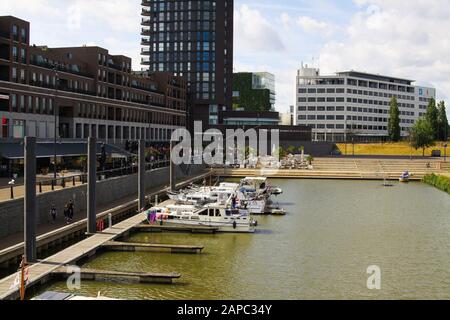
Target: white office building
point(354, 103)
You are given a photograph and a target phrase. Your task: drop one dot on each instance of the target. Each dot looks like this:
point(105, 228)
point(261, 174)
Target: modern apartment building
point(254, 91)
point(356, 103)
point(193, 39)
point(92, 92)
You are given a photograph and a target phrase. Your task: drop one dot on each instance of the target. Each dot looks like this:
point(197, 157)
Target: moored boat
point(405, 177)
point(210, 215)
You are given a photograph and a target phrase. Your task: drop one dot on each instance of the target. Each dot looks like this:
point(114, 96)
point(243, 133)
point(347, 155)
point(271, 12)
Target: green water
point(334, 231)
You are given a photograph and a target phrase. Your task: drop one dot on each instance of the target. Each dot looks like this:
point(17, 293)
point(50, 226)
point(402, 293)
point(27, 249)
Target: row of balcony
point(58, 67)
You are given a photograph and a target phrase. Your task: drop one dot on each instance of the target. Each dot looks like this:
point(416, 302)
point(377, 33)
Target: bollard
point(63, 183)
point(12, 192)
point(110, 220)
point(53, 185)
point(73, 180)
point(40, 187)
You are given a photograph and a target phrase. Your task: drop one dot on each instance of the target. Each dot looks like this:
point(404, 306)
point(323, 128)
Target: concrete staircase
point(347, 168)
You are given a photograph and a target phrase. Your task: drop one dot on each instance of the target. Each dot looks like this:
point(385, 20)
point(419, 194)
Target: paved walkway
point(19, 190)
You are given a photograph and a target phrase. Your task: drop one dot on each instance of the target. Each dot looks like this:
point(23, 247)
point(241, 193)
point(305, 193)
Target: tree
point(442, 122)
point(422, 135)
point(280, 153)
point(432, 117)
point(394, 121)
point(291, 150)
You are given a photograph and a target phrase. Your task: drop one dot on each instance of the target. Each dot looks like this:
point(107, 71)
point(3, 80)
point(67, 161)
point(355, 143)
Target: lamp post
point(55, 107)
point(445, 152)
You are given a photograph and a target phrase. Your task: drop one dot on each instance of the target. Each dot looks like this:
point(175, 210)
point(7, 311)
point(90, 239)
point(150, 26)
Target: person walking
point(53, 213)
point(71, 208)
point(66, 213)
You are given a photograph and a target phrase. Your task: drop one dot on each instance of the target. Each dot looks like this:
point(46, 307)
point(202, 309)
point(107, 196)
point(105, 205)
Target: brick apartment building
point(92, 92)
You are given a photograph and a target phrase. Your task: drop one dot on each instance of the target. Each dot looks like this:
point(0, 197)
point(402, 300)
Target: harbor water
point(333, 232)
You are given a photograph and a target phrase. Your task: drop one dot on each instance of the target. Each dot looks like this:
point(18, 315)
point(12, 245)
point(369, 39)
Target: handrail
point(81, 179)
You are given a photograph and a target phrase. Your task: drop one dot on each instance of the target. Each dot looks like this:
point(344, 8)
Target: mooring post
point(141, 175)
point(30, 199)
point(173, 178)
point(92, 181)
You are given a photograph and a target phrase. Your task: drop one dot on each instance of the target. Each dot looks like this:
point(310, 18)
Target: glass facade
point(190, 39)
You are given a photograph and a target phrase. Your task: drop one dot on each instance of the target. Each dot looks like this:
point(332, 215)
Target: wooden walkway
point(88, 247)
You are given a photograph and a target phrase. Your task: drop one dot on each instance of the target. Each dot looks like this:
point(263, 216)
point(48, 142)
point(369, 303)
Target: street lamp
point(445, 152)
point(55, 107)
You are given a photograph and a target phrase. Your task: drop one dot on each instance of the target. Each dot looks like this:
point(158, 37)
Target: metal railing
point(80, 179)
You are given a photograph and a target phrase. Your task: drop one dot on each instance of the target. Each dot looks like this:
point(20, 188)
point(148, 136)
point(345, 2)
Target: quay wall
point(11, 212)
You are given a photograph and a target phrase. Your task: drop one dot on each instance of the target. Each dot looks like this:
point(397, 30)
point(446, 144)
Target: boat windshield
point(232, 212)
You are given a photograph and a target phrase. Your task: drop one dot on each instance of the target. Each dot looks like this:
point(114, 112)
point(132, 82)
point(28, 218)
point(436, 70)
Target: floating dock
point(118, 276)
point(144, 247)
point(173, 228)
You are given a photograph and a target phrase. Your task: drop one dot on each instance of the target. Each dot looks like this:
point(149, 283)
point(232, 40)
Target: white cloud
point(253, 33)
point(119, 15)
point(74, 18)
point(396, 38)
point(313, 26)
point(286, 21)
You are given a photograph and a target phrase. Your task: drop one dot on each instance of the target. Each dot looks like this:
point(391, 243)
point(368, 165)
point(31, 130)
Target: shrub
point(440, 182)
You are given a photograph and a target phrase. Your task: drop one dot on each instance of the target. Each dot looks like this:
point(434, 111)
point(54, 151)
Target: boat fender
point(234, 224)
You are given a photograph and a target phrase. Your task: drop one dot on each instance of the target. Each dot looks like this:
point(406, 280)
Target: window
point(23, 56)
point(13, 102)
point(14, 74)
point(22, 103)
point(15, 53)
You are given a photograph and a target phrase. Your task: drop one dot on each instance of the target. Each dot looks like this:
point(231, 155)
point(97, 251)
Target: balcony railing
point(115, 66)
point(146, 21)
point(4, 34)
point(47, 65)
point(145, 42)
point(146, 31)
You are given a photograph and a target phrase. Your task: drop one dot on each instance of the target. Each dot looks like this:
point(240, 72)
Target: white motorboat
point(210, 215)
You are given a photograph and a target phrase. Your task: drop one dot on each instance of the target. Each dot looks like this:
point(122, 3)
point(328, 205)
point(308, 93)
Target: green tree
point(432, 117)
point(291, 150)
point(442, 122)
point(422, 135)
point(280, 153)
point(394, 121)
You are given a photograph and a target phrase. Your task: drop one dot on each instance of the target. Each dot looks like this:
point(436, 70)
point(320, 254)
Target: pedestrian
point(66, 213)
point(53, 213)
point(71, 209)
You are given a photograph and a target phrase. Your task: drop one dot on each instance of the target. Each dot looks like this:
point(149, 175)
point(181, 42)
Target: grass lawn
point(389, 149)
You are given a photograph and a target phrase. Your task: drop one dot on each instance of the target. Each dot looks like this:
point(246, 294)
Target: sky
point(401, 38)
